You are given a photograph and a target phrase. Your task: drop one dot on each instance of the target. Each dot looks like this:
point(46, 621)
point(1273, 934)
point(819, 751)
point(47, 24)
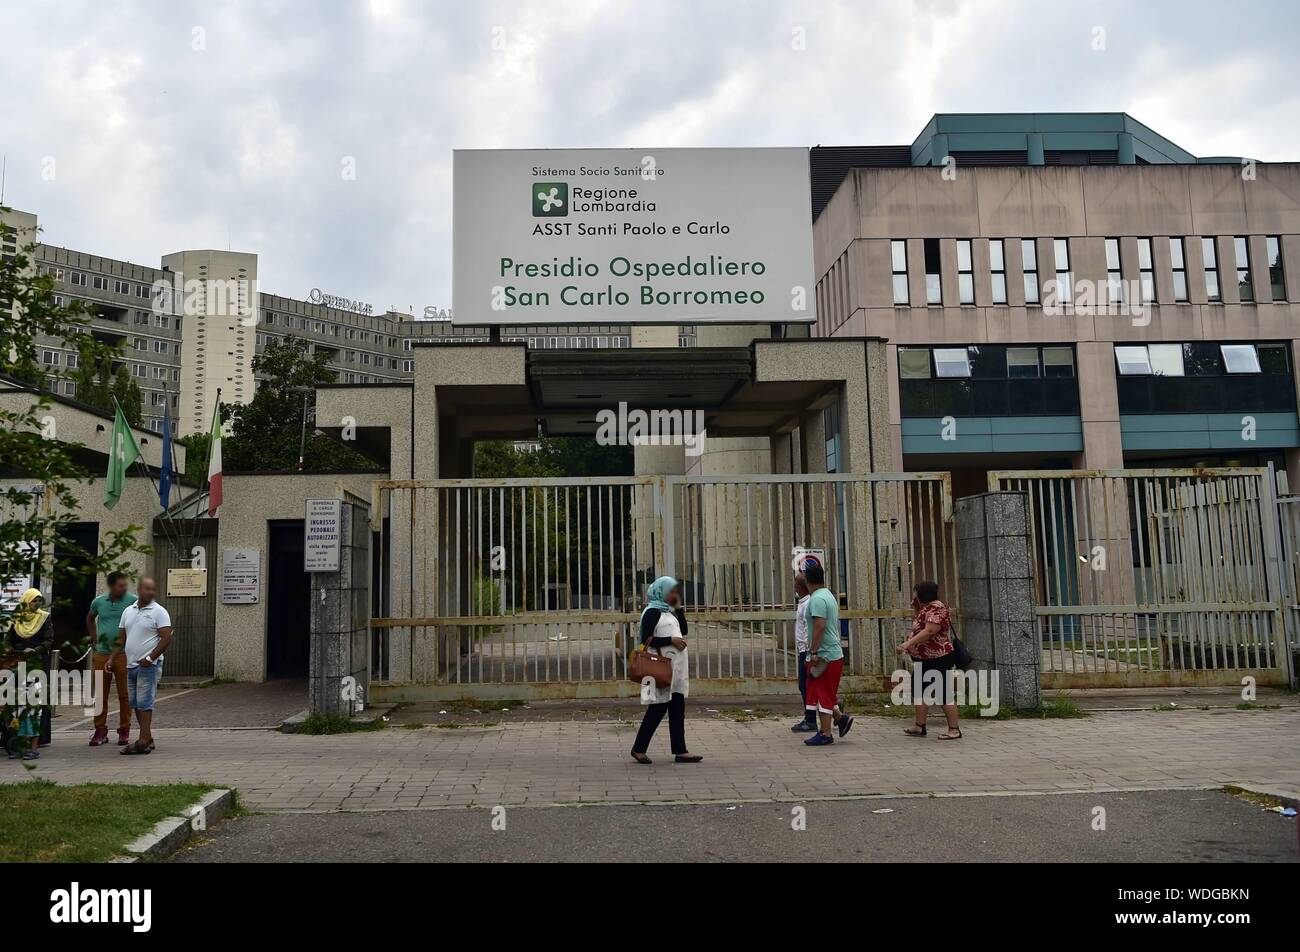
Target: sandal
point(950, 735)
point(916, 730)
point(137, 748)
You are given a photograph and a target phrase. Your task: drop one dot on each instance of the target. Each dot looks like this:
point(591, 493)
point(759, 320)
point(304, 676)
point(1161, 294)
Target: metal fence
point(1155, 576)
point(732, 545)
point(540, 582)
point(511, 581)
point(1288, 511)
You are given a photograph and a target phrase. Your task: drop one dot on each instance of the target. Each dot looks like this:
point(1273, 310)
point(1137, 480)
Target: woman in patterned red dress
point(931, 647)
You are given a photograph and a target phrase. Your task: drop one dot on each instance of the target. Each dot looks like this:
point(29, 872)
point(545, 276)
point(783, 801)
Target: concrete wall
point(1085, 205)
point(368, 407)
point(138, 504)
point(250, 502)
point(997, 593)
point(72, 423)
point(137, 507)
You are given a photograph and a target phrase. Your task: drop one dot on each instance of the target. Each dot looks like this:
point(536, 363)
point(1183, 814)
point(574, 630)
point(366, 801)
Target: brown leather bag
point(646, 665)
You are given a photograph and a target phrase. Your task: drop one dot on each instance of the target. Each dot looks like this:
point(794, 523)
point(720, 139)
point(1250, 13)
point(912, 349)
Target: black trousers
point(676, 710)
point(809, 716)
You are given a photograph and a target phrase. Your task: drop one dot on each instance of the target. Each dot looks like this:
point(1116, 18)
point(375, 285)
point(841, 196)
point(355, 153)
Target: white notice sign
point(241, 576)
point(321, 535)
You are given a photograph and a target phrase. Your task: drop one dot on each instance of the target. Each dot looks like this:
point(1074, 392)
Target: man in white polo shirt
point(145, 635)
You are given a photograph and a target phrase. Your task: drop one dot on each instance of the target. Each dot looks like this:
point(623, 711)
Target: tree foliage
point(37, 511)
point(264, 434)
point(98, 386)
point(551, 456)
point(562, 522)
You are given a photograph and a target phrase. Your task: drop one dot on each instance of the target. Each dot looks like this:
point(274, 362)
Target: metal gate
point(732, 545)
point(1288, 512)
point(1155, 577)
point(533, 587)
point(194, 618)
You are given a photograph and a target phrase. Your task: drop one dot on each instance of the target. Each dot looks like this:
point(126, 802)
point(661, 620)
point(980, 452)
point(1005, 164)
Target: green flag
point(122, 452)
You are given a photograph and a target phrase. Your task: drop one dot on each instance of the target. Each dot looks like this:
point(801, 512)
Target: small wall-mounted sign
point(187, 583)
point(241, 576)
point(322, 535)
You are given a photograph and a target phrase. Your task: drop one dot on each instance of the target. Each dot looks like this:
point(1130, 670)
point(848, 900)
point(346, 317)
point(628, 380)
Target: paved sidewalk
point(565, 762)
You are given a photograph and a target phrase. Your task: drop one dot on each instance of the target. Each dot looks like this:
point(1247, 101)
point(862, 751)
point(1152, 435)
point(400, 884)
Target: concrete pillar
point(1103, 445)
point(1034, 149)
point(420, 539)
point(339, 673)
point(1124, 147)
point(995, 568)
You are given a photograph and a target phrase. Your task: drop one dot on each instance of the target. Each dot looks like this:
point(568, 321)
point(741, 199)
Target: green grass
point(740, 715)
point(317, 723)
point(1051, 709)
point(470, 705)
point(43, 822)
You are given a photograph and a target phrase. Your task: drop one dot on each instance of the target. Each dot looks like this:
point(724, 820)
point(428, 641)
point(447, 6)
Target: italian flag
point(214, 464)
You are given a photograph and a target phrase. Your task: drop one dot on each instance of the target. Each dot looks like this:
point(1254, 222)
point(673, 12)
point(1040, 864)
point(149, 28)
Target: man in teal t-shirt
point(823, 604)
point(825, 657)
point(102, 624)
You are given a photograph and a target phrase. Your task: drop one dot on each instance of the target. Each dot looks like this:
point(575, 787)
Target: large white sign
point(678, 236)
point(321, 535)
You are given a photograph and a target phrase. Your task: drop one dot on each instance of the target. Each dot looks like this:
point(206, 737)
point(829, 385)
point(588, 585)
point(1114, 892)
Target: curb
point(1287, 797)
point(173, 832)
point(372, 713)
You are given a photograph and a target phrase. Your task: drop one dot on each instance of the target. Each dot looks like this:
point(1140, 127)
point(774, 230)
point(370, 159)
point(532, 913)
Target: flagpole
point(216, 413)
point(207, 470)
point(143, 467)
point(167, 459)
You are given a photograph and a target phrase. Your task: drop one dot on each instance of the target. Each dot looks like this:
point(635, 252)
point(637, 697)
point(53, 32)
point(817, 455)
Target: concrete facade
point(252, 501)
point(1084, 205)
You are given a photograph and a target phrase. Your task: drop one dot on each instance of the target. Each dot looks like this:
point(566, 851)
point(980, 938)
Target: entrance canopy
point(565, 390)
point(464, 393)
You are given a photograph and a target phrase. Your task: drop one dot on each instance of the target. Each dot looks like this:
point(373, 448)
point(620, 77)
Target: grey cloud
point(160, 146)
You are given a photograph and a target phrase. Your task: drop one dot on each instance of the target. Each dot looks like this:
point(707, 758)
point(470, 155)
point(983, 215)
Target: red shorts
point(824, 691)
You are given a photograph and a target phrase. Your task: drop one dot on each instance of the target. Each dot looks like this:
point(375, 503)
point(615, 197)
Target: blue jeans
point(143, 684)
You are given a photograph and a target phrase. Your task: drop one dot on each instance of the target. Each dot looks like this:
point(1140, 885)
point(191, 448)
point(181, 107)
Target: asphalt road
point(1160, 826)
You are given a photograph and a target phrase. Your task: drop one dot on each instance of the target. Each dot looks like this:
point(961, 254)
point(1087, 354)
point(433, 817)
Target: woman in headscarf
point(30, 636)
point(663, 627)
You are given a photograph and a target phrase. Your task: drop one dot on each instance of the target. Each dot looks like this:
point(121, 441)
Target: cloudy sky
point(136, 128)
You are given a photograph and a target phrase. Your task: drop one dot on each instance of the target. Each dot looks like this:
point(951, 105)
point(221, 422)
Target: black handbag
point(961, 658)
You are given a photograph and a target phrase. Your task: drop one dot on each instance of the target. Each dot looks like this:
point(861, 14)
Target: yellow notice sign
point(187, 583)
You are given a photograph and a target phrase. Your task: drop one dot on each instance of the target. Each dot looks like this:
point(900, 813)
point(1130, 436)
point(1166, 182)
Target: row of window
point(1063, 274)
point(290, 322)
point(1015, 380)
point(155, 398)
point(985, 361)
point(993, 380)
point(100, 282)
point(1200, 359)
